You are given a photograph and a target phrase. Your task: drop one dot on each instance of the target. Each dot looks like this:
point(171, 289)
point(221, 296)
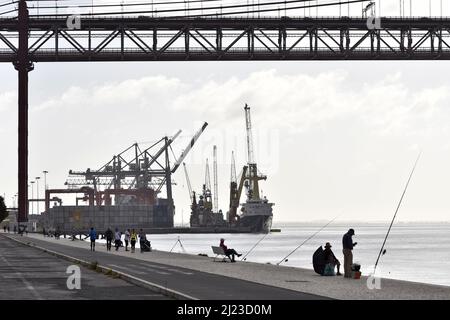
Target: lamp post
point(32, 196)
point(45, 179)
point(37, 193)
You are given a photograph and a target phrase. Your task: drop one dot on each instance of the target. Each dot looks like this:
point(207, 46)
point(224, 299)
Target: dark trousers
point(92, 245)
point(126, 245)
point(108, 244)
point(117, 243)
point(232, 253)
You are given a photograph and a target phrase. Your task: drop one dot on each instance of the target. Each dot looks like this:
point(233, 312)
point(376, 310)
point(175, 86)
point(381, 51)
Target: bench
point(218, 251)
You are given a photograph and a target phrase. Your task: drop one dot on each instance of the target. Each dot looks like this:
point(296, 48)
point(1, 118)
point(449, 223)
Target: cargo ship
point(255, 214)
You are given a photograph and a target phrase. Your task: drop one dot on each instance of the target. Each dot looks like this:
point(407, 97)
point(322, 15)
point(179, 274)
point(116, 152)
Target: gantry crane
point(149, 169)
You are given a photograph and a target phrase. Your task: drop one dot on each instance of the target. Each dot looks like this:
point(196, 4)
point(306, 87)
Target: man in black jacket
point(109, 237)
point(347, 244)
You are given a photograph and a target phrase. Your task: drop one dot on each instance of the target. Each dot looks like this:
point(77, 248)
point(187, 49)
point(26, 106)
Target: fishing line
point(285, 258)
point(395, 214)
point(244, 257)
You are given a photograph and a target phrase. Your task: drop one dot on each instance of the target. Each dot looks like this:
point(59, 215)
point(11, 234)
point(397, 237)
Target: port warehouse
point(68, 219)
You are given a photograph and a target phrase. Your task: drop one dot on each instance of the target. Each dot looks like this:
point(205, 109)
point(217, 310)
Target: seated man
point(331, 261)
point(228, 252)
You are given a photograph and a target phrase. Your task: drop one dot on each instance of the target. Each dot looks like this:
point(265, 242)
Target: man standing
point(117, 239)
point(347, 244)
point(109, 237)
point(127, 239)
point(93, 237)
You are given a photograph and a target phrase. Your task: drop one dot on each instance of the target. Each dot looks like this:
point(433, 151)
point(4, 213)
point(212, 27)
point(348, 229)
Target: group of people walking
point(130, 237)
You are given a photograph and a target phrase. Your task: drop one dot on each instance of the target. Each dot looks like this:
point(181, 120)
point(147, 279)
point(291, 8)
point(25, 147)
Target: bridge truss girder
point(153, 39)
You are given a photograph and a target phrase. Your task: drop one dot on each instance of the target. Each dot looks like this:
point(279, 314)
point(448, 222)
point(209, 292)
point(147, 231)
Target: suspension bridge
point(208, 30)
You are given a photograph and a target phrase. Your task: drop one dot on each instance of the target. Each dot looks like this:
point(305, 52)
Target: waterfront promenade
point(185, 276)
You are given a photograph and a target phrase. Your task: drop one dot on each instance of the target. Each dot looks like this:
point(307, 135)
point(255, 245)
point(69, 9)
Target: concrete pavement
point(192, 283)
point(28, 273)
point(304, 281)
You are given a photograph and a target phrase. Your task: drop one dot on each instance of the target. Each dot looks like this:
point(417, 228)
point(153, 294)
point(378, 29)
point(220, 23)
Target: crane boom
point(188, 182)
point(248, 126)
point(189, 147)
point(207, 177)
point(216, 188)
point(233, 168)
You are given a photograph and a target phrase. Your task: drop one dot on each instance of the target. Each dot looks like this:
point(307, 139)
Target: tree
point(3, 211)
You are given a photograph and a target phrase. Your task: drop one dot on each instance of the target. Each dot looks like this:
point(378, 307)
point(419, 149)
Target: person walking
point(229, 252)
point(133, 238)
point(109, 237)
point(347, 245)
point(93, 237)
point(127, 239)
point(117, 239)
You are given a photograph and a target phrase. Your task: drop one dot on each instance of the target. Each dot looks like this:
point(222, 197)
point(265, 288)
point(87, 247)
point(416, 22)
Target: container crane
point(216, 188)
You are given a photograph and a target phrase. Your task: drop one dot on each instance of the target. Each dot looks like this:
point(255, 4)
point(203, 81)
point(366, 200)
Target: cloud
point(301, 102)
point(8, 100)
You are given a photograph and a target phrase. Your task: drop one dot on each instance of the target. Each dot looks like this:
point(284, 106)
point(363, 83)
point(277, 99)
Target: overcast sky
point(332, 137)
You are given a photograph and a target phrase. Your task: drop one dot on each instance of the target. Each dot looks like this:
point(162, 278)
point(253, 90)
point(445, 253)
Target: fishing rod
point(395, 214)
point(285, 258)
point(244, 257)
point(181, 245)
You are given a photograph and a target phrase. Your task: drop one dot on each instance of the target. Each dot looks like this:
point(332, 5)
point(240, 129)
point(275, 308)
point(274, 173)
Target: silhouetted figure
point(93, 237)
point(109, 237)
point(331, 261)
point(127, 238)
point(117, 239)
point(133, 238)
point(347, 244)
point(229, 252)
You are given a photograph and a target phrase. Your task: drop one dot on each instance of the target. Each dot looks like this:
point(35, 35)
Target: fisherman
point(331, 261)
point(109, 237)
point(348, 244)
point(117, 239)
point(133, 238)
point(228, 252)
point(93, 237)
point(127, 239)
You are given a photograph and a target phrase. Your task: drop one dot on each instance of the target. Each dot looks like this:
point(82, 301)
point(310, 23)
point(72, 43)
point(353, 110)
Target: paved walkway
point(29, 273)
point(190, 282)
point(303, 281)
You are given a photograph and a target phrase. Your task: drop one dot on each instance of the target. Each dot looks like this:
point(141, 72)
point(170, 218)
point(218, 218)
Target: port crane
point(143, 172)
point(252, 177)
point(235, 191)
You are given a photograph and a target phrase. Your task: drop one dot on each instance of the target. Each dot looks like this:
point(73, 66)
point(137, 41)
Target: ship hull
point(257, 223)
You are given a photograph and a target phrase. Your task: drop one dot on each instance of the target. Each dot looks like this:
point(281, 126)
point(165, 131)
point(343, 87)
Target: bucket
point(356, 275)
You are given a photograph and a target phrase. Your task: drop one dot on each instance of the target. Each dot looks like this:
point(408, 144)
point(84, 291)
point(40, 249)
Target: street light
point(37, 193)
point(45, 179)
point(32, 196)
